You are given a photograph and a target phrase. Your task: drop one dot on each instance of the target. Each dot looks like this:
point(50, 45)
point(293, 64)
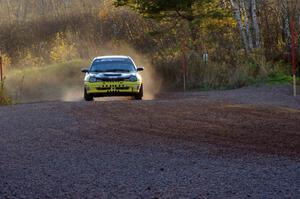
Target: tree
point(238, 17)
point(190, 11)
point(161, 8)
point(286, 23)
point(245, 13)
point(255, 23)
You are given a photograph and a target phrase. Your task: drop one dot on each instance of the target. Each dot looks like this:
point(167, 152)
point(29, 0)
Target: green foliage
point(159, 8)
point(192, 11)
point(279, 78)
point(186, 9)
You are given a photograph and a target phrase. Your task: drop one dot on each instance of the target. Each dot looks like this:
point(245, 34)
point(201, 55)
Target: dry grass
point(49, 82)
point(4, 98)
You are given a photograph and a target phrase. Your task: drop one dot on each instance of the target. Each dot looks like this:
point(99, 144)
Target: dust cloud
point(64, 81)
point(72, 94)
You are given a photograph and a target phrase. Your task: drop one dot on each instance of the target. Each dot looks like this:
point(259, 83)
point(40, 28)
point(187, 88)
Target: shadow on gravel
point(268, 130)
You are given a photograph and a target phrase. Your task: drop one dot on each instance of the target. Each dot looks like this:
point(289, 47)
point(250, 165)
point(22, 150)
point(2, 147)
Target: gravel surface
point(279, 95)
point(195, 145)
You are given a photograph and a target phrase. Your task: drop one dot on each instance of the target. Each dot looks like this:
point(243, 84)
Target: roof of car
point(112, 57)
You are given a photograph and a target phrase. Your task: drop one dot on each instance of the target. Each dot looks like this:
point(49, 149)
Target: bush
point(30, 60)
point(4, 98)
point(63, 50)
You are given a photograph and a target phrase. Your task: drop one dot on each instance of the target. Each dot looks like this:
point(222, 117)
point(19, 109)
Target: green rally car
point(113, 76)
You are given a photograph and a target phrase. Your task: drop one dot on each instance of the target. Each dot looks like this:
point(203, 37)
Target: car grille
point(110, 79)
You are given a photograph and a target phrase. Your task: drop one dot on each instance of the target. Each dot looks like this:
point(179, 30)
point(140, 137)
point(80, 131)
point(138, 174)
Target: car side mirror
point(85, 70)
point(140, 69)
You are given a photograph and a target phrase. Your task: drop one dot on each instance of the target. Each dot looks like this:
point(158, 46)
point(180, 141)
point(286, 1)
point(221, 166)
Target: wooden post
point(294, 56)
point(1, 80)
point(1, 69)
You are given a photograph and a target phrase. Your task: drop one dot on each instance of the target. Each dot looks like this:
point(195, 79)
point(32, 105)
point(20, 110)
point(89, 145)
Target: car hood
point(113, 76)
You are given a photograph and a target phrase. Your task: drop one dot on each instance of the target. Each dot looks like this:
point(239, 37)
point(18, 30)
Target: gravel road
point(228, 144)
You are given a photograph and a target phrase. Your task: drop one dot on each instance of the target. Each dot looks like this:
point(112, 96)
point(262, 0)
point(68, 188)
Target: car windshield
point(112, 65)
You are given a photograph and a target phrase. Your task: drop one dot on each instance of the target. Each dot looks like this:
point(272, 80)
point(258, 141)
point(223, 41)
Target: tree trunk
point(237, 15)
point(194, 36)
point(247, 22)
point(255, 23)
point(286, 24)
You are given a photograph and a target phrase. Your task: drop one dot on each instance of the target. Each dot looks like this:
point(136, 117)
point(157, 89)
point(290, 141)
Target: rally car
point(113, 76)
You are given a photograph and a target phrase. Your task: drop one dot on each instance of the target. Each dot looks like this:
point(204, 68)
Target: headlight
point(133, 78)
point(93, 79)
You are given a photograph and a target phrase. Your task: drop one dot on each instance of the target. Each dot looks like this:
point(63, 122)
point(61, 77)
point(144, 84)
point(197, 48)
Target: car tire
point(88, 97)
point(140, 95)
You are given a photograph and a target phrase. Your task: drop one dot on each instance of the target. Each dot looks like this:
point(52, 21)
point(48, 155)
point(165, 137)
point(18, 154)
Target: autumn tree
point(245, 13)
point(191, 11)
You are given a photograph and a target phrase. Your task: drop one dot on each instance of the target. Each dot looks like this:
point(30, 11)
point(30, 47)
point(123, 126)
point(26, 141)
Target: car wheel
point(140, 95)
point(88, 97)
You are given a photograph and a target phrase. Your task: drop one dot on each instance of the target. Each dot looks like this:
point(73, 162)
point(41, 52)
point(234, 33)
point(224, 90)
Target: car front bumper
point(123, 88)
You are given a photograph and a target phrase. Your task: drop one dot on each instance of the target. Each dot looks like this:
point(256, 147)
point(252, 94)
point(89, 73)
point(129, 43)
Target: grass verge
point(50, 82)
point(4, 98)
